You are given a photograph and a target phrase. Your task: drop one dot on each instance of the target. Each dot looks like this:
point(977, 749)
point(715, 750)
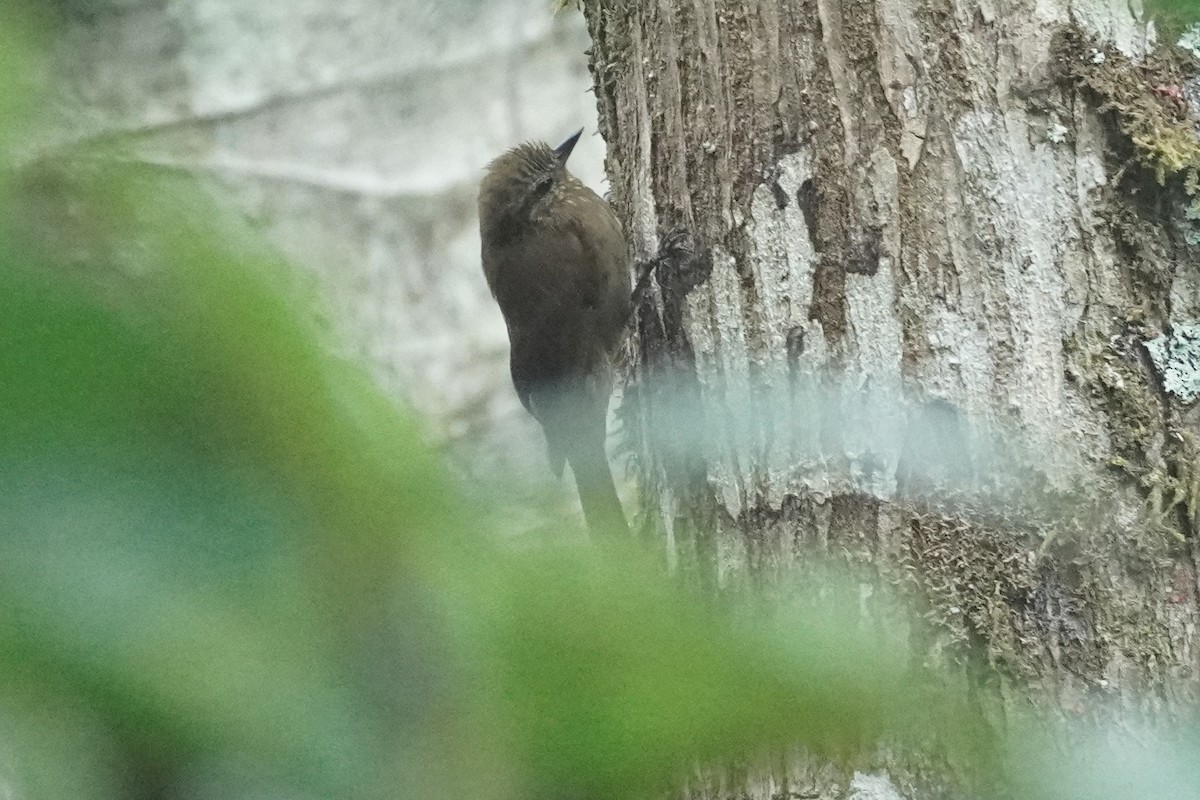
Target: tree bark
point(910, 258)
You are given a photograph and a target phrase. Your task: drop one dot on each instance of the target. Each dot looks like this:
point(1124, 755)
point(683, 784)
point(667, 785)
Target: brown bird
point(554, 257)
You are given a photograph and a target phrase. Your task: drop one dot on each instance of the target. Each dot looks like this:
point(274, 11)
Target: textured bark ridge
point(936, 238)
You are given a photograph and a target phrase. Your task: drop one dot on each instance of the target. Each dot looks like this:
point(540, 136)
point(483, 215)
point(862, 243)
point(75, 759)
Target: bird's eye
point(543, 186)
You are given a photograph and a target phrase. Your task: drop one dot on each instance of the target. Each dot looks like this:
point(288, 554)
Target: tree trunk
point(914, 261)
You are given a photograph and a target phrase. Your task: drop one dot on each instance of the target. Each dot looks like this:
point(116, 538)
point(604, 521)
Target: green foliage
point(1172, 17)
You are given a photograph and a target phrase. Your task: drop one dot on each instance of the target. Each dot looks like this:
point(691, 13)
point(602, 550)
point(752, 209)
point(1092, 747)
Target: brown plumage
point(554, 257)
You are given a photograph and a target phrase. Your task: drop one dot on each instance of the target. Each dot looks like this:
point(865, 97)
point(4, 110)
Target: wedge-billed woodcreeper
point(555, 260)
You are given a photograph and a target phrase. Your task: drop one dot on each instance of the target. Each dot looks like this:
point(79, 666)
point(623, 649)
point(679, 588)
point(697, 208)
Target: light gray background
point(353, 134)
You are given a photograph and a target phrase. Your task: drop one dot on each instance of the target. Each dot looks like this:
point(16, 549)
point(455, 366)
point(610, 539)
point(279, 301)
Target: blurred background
point(232, 567)
point(353, 135)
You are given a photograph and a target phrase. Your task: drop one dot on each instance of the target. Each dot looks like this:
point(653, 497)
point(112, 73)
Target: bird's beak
point(563, 151)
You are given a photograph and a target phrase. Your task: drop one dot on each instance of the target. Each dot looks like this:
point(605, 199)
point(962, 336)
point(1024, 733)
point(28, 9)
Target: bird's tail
point(574, 421)
point(597, 493)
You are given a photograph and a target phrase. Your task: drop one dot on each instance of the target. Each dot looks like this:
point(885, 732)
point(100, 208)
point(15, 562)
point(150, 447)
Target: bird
point(554, 256)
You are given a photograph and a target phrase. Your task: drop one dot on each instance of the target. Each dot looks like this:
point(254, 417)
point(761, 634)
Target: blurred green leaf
point(150, 562)
point(52, 749)
point(615, 681)
point(20, 69)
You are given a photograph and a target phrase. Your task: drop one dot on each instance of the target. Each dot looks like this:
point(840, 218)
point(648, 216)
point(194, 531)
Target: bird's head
point(520, 181)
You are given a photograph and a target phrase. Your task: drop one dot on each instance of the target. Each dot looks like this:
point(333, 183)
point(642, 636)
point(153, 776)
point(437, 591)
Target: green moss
point(968, 575)
point(1166, 149)
point(1163, 463)
point(1161, 460)
point(1144, 100)
point(1115, 380)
